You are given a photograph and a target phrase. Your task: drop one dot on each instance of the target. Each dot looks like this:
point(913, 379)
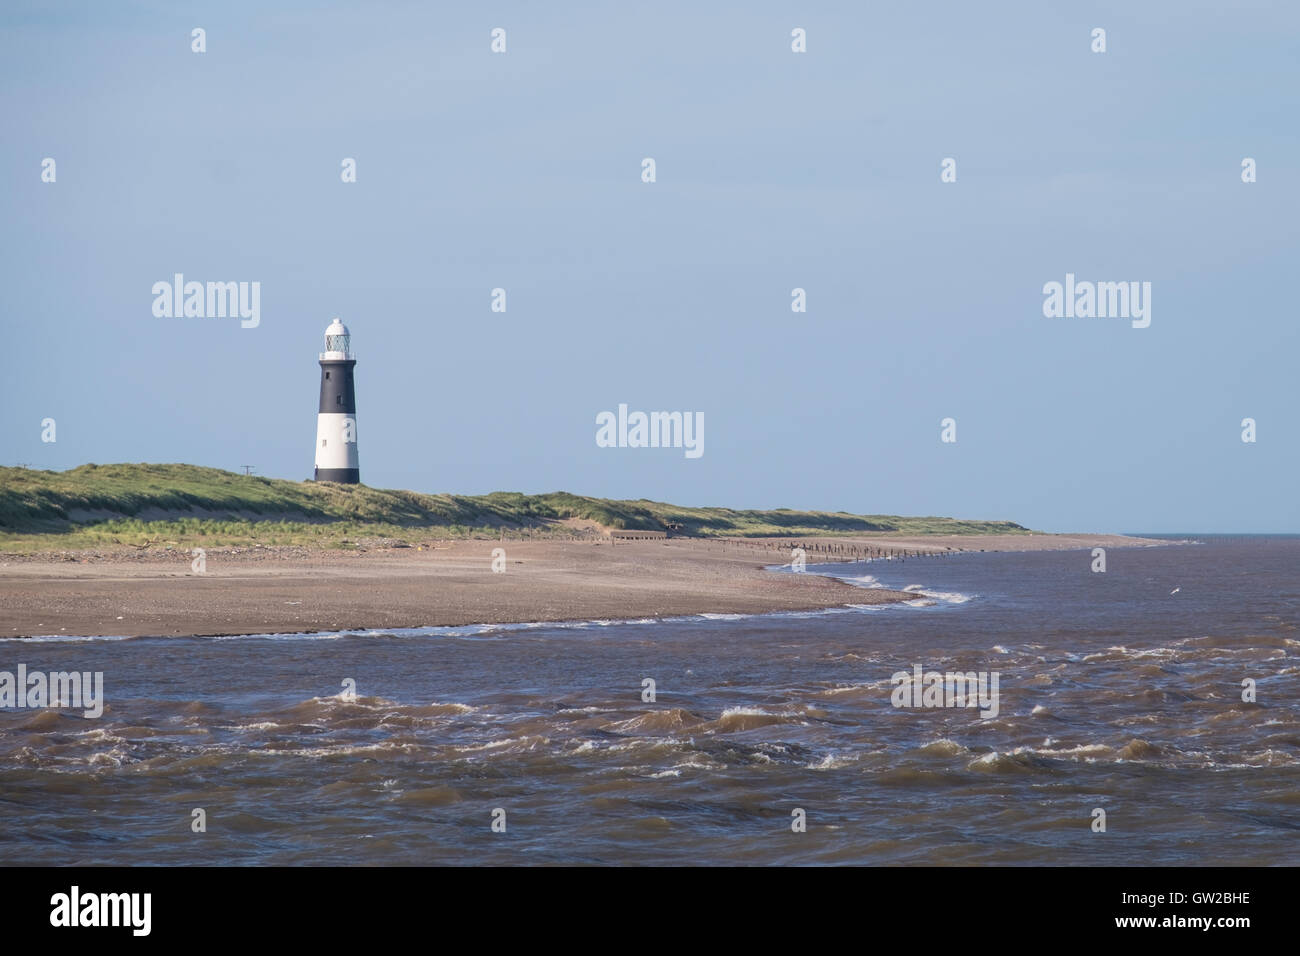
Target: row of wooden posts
point(845, 551)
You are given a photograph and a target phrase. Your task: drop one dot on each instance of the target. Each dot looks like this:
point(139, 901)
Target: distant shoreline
point(255, 590)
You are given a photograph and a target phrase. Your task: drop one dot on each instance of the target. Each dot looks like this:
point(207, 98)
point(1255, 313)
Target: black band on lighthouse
point(337, 393)
point(344, 476)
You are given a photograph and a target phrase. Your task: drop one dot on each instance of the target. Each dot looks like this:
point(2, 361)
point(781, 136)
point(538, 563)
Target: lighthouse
point(336, 424)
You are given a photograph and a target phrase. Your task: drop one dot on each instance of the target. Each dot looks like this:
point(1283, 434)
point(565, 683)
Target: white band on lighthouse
point(336, 441)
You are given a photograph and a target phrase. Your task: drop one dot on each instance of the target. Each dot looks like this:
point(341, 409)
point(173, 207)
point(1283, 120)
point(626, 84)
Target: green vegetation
point(99, 505)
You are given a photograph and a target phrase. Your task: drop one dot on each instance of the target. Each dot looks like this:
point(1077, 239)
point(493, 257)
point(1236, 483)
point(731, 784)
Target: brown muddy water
point(1120, 691)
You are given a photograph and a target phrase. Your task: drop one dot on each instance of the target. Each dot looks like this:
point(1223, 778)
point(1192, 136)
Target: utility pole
point(248, 469)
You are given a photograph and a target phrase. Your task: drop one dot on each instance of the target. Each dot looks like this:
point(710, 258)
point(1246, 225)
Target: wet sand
point(274, 590)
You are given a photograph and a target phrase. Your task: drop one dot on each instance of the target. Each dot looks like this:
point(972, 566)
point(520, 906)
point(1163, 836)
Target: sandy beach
point(263, 590)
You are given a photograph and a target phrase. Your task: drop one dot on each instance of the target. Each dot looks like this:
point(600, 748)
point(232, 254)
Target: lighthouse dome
point(338, 341)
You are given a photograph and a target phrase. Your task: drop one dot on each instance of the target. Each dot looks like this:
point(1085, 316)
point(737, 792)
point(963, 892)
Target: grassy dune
point(98, 505)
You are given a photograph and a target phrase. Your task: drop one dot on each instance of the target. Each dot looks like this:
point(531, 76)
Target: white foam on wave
point(1126, 653)
point(66, 638)
point(101, 735)
point(862, 581)
point(332, 750)
point(944, 747)
point(924, 597)
point(1080, 750)
point(317, 636)
point(591, 709)
point(699, 762)
point(832, 762)
point(948, 597)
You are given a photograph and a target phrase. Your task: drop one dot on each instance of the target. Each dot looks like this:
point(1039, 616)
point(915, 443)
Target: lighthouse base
point(342, 476)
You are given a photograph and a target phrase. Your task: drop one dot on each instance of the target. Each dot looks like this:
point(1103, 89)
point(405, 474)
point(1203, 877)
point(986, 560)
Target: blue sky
point(775, 170)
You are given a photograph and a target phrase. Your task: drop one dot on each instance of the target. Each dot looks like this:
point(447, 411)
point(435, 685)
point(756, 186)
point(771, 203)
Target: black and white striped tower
point(336, 425)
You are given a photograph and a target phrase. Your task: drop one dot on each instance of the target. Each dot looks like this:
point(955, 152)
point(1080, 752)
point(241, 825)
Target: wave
point(833, 762)
point(942, 748)
point(948, 597)
point(1018, 761)
point(924, 597)
point(1137, 749)
point(738, 719)
point(670, 718)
